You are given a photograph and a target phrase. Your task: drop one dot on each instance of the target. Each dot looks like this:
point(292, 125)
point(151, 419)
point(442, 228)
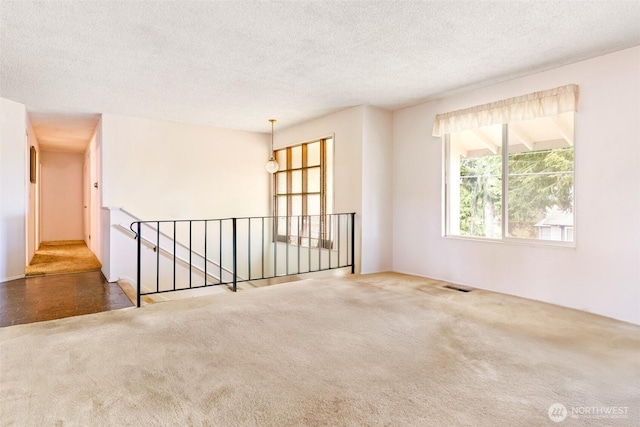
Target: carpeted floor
point(380, 350)
point(62, 256)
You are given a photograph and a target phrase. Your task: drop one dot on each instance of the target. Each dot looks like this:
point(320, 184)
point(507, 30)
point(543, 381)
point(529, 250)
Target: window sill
point(518, 242)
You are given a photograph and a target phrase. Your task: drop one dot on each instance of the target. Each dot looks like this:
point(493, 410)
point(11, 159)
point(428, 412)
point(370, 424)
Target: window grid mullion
point(323, 202)
point(305, 172)
point(505, 179)
point(305, 189)
point(289, 191)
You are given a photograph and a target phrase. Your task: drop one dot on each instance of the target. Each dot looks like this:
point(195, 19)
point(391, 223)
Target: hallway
point(62, 256)
point(35, 299)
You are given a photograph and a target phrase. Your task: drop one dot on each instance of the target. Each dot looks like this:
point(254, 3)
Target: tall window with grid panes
point(303, 193)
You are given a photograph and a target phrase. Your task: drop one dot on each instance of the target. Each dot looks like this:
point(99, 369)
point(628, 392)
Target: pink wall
point(602, 273)
point(61, 197)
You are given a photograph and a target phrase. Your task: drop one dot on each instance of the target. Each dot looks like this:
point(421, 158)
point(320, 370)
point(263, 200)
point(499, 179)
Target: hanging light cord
point(272, 165)
point(272, 123)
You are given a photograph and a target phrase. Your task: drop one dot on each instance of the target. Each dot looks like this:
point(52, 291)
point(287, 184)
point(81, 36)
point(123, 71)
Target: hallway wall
point(93, 163)
point(13, 189)
point(62, 211)
point(33, 227)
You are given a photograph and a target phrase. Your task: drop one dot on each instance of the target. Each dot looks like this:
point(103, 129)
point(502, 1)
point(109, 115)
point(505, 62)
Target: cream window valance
point(537, 104)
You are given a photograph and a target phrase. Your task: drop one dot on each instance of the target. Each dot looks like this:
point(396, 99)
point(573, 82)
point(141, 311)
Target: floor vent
point(458, 288)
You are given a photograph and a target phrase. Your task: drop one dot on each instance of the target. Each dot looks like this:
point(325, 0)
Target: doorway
point(63, 231)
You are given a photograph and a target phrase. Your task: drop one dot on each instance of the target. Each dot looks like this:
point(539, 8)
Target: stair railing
point(241, 249)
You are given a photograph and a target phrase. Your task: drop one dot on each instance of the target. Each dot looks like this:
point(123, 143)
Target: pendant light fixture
point(272, 165)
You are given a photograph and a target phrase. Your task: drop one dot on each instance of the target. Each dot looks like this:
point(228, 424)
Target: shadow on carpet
point(375, 350)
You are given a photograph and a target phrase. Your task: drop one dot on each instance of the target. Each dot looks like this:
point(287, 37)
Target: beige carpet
point(380, 350)
point(62, 256)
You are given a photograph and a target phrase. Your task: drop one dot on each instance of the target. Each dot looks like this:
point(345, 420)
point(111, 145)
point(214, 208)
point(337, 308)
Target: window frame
point(505, 238)
point(324, 237)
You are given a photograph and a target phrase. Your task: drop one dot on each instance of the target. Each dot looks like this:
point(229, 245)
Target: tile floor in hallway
point(39, 298)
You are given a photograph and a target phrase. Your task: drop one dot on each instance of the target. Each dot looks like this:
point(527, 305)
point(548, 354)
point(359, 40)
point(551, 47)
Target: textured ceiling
point(235, 64)
point(64, 132)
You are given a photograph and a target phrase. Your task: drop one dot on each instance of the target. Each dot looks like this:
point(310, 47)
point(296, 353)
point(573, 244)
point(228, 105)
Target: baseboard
point(128, 290)
point(8, 279)
point(127, 279)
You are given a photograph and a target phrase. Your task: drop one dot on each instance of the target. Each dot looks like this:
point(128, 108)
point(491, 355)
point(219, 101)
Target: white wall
point(362, 175)
point(86, 195)
point(164, 170)
point(602, 273)
point(61, 196)
point(93, 162)
point(347, 128)
point(13, 189)
point(106, 245)
point(33, 223)
point(377, 178)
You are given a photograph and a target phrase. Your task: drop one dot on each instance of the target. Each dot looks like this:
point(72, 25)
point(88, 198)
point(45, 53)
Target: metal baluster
point(158, 256)
point(174, 255)
point(329, 238)
point(309, 242)
point(353, 243)
point(320, 244)
point(249, 248)
point(235, 255)
point(139, 275)
point(205, 253)
point(339, 218)
point(299, 241)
